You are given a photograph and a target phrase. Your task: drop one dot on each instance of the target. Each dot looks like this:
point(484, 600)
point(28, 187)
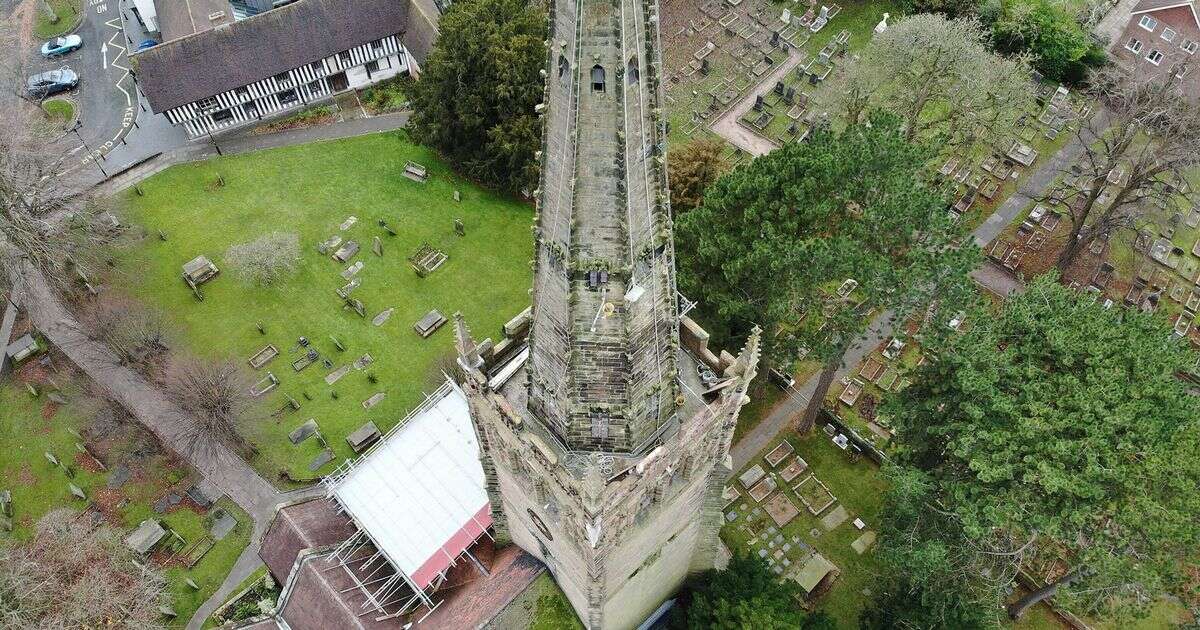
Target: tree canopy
point(746, 595)
point(475, 100)
point(692, 168)
point(775, 240)
point(941, 77)
point(1063, 427)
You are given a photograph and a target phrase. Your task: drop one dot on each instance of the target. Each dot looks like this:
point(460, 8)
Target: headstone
point(786, 18)
point(77, 491)
point(191, 584)
point(356, 306)
point(348, 223)
point(118, 477)
point(704, 70)
point(6, 503)
point(758, 103)
point(774, 38)
point(459, 228)
point(363, 362)
point(779, 88)
point(377, 246)
point(457, 196)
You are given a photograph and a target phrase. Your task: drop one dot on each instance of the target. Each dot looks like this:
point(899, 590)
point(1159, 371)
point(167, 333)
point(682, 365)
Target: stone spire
point(468, 350)
point(602, 368)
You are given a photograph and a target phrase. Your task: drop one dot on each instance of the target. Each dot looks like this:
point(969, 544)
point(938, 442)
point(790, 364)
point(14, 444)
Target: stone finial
point(594, 481)
point(747, 360)
point(468, 350)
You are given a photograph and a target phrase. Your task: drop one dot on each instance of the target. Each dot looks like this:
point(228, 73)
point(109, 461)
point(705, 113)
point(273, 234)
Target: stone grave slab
point(222, 525)
point(751, 476)
point(337, 374)
point(834, 518)
point(346, 252)
point(363, 437)
point(118, 477)
point(382, 317)
point(429, 324)
point(350, 271)
point(322, 458)
point(363, 361)
point(794, 469)
point(863, 543)
point(263, 356)
point(375, 399)
point(779, 453)
point(762, 489)
point(348, 223)
point(303, 432)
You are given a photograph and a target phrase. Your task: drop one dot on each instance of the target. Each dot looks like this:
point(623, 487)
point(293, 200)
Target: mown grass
point(310, 190)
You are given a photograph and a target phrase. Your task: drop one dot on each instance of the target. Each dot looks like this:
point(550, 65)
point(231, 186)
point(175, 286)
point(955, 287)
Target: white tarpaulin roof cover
point(419, 494)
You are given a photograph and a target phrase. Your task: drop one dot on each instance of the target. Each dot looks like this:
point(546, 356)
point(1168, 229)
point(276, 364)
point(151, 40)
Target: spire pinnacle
point(468, 350)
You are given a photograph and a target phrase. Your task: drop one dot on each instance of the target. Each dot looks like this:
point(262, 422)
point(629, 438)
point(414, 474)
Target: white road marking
point(104, 52)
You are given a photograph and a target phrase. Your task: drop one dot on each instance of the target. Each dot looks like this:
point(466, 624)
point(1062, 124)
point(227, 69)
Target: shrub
point(266, 259)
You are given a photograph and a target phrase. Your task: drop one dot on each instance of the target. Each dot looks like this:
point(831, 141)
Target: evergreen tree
point(475, 99)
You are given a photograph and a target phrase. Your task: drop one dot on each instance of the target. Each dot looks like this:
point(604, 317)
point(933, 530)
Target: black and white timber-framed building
point(238, 72)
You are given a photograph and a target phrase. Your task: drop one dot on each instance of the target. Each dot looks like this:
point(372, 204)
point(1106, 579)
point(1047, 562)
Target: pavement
point(727, 126)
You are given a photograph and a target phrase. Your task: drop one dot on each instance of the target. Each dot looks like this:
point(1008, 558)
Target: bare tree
point(74, 575)
point(941, 77)
point(215, 397)
point(267, 258)
point(136, 334)
point(45, 219)
point(1135, 159)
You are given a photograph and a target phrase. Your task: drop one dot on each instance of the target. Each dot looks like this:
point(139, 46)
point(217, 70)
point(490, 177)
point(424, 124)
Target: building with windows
point(223, 65)
point(1162, 39)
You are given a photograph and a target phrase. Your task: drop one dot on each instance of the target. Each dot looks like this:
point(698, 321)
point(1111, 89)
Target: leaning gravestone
point(353, 269)
point(77, 491)
point(6, 503)
point(459, 228)
point(377, 246)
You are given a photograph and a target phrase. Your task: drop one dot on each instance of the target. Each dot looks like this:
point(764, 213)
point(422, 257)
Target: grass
point(251, 599)
point(59, 111)
point(68, 12)
point(38, 487)
point(859, 488)
point(318, 115)
point(553, 611)
point(386, 96)
point(310, 190)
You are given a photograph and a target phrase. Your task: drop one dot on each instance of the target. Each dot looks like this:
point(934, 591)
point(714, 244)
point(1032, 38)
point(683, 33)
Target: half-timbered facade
point(282, 60)
point(299, 87)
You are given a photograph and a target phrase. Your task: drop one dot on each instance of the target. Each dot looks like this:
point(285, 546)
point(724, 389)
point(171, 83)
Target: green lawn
point(310, 190)
point(59, 111)
point(858, 487)
point(37, 487)
point(68, 16)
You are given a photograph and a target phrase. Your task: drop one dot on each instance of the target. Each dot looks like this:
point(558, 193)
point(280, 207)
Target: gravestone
point(382, 317)
point(459, 228)
point(779, 88)
point(77, 491)
point(222, 525)
point(457, 196)
point(349, 272)
point(758, 103)
point(346, 252)
point(375, 399)
point(303, 432)
point(336, 375)
point(789, 96)
point(348, 223)
point(118, 477)
point(322, 458)
point(377, 246)
point(363, 362)
point(363, 437)
point(356, 306)
point(704, 70)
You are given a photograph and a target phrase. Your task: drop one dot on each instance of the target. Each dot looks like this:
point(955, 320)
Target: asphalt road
point(105, 98)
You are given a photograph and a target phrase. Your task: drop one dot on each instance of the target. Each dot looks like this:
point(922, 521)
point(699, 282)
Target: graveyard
point(391, 244)
point(1161, 258)
point(805, 519)
point(124, 480)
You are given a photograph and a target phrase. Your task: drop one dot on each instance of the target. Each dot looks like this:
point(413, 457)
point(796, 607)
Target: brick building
point(1161, 39)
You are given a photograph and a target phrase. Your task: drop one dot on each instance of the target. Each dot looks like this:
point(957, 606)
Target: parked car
point(52, 82)
point(60, 46)
point(149, 43)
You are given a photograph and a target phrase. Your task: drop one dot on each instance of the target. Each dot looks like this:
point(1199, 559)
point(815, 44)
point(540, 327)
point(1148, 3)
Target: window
point(377, 46)
point(344, 56)
point(205, 104)
point(597, 78)
point(282, 77)
point(1155, 57)
point(632, 71)
point(1189, 46)
point(372, 66)
point(222, 116)
point(1134, 45)
point(1148, 23)
point(314, 87)
point(1169, 34)
point(316, 66)
point(241, 93)
point(287, 96)
point(563, 66)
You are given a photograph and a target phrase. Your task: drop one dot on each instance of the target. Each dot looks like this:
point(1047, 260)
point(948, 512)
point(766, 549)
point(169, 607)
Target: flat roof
point(420, 493)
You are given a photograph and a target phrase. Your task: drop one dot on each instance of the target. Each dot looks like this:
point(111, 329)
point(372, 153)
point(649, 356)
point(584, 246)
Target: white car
point(60, 46)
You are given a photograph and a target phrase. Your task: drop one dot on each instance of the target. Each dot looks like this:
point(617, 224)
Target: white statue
point(882, 25)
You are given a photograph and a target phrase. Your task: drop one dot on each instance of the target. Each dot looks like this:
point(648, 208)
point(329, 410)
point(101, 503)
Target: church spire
point(468, 350)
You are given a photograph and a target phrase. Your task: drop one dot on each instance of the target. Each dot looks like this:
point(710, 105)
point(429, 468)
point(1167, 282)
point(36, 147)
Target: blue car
point(60, 46)
point(149, 43)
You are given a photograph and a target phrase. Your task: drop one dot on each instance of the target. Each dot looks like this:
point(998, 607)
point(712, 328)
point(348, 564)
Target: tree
point(940, 76)
point(745, 595)
point(267, 258)
point(930, 576)
point(135, 334)
point(774, 241)
point(45, 219)
point(1134, 158)
point(475, 100)
point(216, 399)
point(1063, 424)
point(74, 575)
point(1061, 49)
point(692, 169)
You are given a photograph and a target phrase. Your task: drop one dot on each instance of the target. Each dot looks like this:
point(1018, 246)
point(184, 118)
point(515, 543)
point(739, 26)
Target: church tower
point(607, 460)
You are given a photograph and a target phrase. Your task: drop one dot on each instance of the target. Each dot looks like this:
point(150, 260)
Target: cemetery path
point(727, 125)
